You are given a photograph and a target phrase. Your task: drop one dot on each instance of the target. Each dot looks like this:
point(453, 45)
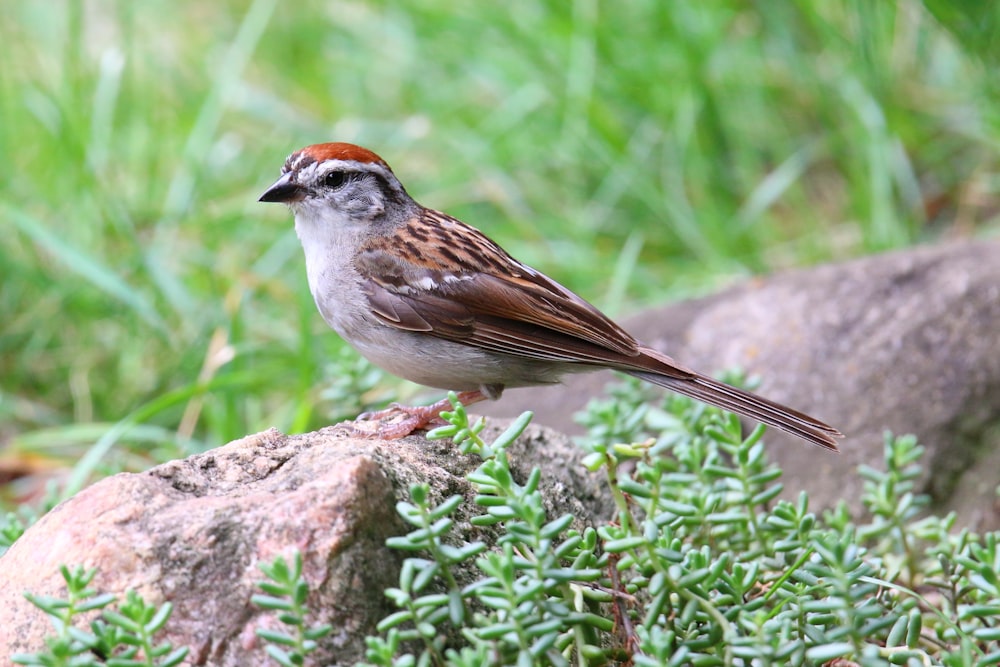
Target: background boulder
point(907, 342)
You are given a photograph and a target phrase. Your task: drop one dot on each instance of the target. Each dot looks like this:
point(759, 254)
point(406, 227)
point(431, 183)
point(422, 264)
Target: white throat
point(328, 239)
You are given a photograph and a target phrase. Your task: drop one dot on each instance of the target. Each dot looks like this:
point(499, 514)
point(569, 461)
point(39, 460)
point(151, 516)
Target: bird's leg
point(388, 426)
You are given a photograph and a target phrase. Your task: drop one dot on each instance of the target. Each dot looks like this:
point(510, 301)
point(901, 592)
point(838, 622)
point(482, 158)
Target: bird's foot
point(398, 421)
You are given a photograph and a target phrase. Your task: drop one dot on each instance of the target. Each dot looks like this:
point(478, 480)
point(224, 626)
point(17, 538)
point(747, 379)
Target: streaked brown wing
point(499, 305)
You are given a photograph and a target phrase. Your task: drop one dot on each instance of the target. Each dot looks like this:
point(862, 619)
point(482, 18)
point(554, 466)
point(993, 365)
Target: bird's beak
point(283, 191)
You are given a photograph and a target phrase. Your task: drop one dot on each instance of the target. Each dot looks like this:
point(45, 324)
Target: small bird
point(433, 300)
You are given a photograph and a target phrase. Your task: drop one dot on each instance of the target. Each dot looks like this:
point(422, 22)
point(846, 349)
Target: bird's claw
point(396, 421)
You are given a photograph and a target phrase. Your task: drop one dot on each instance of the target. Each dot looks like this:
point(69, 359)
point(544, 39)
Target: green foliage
point(13, 524)
point(11, 528)
point(121, 637)
point(353, 385)
point(466, 435)
point(701, 565)
point(286, 592)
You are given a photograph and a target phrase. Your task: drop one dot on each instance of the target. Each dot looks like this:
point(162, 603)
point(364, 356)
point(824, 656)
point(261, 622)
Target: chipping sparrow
point(433, 300)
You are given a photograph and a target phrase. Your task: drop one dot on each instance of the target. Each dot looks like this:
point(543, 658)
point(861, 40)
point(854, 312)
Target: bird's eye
point(334, 179)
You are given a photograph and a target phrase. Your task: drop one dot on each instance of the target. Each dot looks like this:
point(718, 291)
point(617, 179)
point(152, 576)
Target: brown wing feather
point(499, 304)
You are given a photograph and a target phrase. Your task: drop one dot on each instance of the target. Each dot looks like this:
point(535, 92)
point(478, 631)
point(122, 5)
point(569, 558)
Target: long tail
point(721, 395)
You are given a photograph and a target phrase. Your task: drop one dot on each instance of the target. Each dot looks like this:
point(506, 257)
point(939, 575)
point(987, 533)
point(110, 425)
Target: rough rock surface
point(907, 342)
point(193, 532)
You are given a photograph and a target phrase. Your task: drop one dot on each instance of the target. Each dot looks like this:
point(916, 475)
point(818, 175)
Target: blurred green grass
point(636, 151)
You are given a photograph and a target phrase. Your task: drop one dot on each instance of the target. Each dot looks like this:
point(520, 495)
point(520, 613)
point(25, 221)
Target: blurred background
point(638, 152)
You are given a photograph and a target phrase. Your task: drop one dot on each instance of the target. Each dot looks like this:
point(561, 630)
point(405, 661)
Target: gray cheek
point(366, 205)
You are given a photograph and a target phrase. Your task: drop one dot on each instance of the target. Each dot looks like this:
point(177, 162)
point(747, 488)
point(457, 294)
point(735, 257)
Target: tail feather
point(742, 402)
